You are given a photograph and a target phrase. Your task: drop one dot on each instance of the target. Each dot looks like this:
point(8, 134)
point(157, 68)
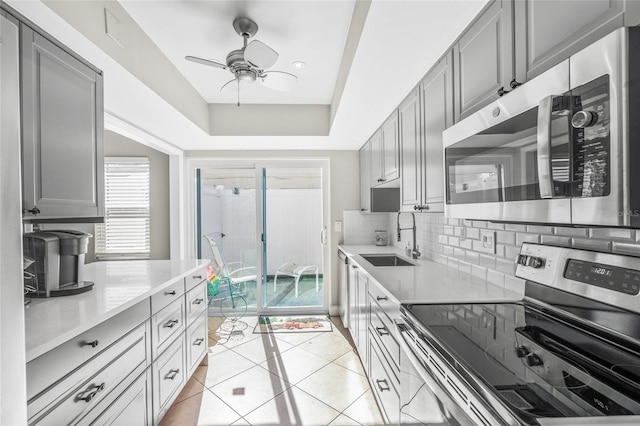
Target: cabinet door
point(410, 146)
point(390, 149)
point(437, 115)
point(483, 58)
point(132, 407)
point(547, 32)
point(365, 178)
point(377, 155)
point(353, 302)
point(62, 126)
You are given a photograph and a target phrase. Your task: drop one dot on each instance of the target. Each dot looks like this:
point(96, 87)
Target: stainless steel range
point(568, 353)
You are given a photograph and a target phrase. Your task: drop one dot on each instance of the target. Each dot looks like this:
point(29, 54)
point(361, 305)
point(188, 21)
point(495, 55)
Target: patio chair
point(238, 276)
point(295, 271)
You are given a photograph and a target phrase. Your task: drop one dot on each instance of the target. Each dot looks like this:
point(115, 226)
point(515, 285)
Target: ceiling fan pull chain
point(238, 92)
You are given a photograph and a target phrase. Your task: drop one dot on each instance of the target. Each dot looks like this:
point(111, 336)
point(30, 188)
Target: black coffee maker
point(58, 266)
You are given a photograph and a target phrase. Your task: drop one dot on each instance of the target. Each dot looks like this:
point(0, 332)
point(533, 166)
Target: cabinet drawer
point(166, 296)
point(386, 302)
point(195, 278)
point(196, 300)
point(382, 385)
point(382, 328)
point(168, 377)
point(167, 324)
point(77, 394)
point(196, 341)
point(76, 351)
point(131, 407)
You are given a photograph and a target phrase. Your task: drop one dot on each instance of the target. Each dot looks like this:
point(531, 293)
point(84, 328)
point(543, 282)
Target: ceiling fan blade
point(260, 55)
point(208, 62)
point(279, 80)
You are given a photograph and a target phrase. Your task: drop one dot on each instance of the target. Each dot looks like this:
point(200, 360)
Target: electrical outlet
point(488, 241)
point(337, 227)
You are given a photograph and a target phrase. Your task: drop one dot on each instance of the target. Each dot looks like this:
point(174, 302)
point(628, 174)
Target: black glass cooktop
point(537, 364)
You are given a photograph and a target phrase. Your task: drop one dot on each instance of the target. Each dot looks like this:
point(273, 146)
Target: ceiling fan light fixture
point(298, 64)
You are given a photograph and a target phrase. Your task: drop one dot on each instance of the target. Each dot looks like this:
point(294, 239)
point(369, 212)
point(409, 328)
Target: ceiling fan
point(250, 62)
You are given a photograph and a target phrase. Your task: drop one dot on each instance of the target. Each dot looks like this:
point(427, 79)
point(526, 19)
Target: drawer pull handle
point(378, 298)
point(197, 277)
point(172, 374)
point(170, 293)
point(170, 323)
point(93, 344)
point(93, 393)
point(380, 383)
point(198, 341)
point(198, 301)
point(382, 331)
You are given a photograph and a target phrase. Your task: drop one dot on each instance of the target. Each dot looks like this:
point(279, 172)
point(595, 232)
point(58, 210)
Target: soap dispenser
point(407, 250)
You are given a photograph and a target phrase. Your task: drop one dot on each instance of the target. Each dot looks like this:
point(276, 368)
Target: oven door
point(511, 161)
point(423, 401)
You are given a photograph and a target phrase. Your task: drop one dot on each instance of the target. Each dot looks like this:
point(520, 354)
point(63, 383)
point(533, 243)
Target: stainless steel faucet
point(415, 253)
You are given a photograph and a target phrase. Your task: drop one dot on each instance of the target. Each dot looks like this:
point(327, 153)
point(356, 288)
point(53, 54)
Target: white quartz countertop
point(119, 285)
point(428, 281)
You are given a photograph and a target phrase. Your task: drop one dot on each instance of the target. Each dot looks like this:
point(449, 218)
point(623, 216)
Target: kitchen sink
point(385, 260)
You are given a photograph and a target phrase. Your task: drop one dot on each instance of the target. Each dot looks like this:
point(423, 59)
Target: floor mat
point(292, 324)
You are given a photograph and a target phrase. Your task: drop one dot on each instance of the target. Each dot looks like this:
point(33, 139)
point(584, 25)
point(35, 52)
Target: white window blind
point(125, 233)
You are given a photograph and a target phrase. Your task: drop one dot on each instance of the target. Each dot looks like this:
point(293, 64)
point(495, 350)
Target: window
point(125, 233)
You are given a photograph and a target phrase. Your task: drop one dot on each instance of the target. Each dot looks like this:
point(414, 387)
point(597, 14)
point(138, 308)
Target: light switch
point(338, 226)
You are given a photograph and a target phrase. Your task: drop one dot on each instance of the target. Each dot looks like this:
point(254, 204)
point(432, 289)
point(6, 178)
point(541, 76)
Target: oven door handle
point(545, 177)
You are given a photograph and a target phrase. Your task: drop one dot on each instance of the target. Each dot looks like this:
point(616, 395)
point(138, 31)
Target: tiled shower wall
point(456, 242)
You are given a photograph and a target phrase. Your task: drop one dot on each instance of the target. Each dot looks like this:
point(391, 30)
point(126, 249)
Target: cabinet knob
point(34, 211)
point(172, 374)
point(93, 392)
point(382, 331)
point(198, 341)
point(170, 293)
point(513, 84)
point(502, 91)
point(380, 384)
point(416, 207)
point(197, 301)
point(170, 323)
point(93, 343)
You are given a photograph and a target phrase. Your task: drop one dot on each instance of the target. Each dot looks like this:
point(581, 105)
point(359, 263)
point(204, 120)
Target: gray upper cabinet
point(390, 149)
point(547, 32)
point(62, 131)
point(365, 178)
point(385, 152)
point(483, 57)
point(424, 115)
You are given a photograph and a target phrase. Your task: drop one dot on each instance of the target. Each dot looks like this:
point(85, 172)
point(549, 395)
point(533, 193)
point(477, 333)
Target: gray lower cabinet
point(483, 57)
point(358, 310)
point(126, 370)
point(365, 178)
point(62, 131)
point(424, 115)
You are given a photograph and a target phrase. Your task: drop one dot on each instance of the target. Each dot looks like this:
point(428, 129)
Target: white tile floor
point(302, 379)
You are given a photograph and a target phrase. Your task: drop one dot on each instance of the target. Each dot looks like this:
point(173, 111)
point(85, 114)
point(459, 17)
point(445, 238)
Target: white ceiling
point(310, 31)
point(399, 42)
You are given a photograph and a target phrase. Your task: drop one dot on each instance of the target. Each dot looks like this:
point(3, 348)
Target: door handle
point(545, 177)
point(323, 235)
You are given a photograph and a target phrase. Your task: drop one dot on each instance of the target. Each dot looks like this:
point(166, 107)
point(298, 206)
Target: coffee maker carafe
point(58, 266)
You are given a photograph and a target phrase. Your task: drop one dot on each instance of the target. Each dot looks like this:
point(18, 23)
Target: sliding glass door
point(292, 239)
point(269, 219)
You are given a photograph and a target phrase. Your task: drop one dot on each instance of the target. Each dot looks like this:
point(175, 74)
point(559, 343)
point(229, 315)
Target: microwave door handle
point(545, 178)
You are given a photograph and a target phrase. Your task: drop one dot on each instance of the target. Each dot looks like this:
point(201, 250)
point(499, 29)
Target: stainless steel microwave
point(563, 148)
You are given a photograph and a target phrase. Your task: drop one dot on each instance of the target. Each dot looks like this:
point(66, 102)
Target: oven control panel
point(614, 278)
